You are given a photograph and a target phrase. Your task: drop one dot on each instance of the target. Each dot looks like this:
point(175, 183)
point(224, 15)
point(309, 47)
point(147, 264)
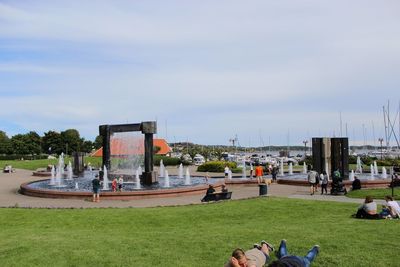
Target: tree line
point(51, 142)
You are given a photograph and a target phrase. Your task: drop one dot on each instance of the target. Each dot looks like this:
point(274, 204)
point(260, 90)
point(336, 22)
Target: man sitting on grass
point(256, 257)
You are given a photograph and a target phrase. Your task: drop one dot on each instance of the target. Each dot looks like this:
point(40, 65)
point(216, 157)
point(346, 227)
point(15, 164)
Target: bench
point(217, 196)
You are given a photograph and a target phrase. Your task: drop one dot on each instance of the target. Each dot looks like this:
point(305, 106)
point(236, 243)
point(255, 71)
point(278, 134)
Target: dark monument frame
point(148, 128)
point(339, 155)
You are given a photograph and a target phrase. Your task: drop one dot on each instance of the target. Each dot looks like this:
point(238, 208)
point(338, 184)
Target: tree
point(5, 144)
point(20, 144)
point(52, 143)
point(98, 142)
point(34, 143)
point(71, 140)
point(87, 146)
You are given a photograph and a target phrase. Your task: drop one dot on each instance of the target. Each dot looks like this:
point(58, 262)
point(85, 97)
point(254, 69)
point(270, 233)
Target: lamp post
point(305, 147)
point(381, 141)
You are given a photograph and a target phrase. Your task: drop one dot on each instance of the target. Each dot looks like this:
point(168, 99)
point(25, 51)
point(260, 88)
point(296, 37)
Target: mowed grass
point(376, 193)
point(43, 163)
point(196, 235)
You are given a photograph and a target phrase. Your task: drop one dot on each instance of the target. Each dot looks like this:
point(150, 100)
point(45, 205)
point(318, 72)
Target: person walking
point(312, 179)
point(324, 182)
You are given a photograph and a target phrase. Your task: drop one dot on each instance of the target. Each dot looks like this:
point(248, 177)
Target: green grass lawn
point(195, 235)
point(42, 163)
point(376, 193)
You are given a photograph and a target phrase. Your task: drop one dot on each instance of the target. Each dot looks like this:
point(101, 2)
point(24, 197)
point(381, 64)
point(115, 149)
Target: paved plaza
point(10, 182)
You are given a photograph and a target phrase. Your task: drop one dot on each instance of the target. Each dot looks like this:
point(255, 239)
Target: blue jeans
point(305, 261)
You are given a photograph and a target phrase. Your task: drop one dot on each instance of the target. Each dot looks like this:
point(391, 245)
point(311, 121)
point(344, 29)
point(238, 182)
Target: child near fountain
point(114, 185)
point(120, 183)
point(96, 189)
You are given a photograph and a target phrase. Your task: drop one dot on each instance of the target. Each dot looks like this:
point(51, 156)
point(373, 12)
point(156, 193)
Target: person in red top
point(114, 185)
point(259, 173)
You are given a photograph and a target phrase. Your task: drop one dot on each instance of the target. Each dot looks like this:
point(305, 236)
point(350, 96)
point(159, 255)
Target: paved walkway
point(10, 182)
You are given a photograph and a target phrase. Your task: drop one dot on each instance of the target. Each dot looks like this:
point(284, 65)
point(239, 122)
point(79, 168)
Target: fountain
point(244, 170)
point(180, 171)
point(304, 168)
point(59, 174)
point(384, 173)
point(121, 156)
point(290, 168)
point(351, 176)
point(162, 169)
point(69, 171)
point(53, 176)
point(187, 177)
point(359, 165)
point(166, 182)
point(372, 172)
point(230, 175)
point(281, 173)
point(375, 168)
point(137, 178)
point(105, 178)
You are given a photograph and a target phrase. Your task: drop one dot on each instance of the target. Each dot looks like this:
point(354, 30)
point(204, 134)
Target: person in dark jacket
point(209, 192)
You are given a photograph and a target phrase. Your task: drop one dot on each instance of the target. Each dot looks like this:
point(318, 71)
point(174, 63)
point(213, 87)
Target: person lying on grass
point(286, 260)
point(258, 256)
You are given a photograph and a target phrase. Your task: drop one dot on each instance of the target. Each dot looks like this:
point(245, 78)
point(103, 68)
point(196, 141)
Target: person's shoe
point(317, 247)
point(257, 246)
point(270, 247)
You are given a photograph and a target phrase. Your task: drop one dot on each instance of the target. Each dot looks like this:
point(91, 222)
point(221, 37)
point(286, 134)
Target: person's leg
point(361, 213)
point(98, 197)
point(94, 197)
point(282, 251)
point(311, 255)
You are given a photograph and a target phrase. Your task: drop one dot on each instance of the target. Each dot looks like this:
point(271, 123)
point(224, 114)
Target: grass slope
point(198, 235)
point(376, 193)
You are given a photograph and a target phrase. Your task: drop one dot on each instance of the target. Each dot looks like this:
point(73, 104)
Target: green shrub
point(237, 170)
point(167, 161)
point(216, 166)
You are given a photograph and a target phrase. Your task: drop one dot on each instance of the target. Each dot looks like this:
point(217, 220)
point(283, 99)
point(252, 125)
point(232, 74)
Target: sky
point(264, 71)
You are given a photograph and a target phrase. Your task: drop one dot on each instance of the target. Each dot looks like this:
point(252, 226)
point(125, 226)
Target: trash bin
point(263, 189)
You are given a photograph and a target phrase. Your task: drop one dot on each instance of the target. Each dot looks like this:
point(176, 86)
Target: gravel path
point(10, 182)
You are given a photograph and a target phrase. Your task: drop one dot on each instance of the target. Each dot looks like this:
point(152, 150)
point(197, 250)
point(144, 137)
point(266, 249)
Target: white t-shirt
point(226, 170)
point(394, 205)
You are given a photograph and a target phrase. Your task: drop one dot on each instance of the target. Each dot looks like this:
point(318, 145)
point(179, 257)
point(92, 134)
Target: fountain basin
point(124, 195)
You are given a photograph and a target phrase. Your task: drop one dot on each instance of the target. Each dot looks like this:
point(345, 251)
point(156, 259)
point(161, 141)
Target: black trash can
point(263, 189)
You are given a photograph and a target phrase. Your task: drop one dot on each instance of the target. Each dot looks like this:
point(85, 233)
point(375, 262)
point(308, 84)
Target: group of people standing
point(315, 179)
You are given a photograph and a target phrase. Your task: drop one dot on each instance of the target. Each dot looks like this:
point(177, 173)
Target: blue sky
point(274, 72)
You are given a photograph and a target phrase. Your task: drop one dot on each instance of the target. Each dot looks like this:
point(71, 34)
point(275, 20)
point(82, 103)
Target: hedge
point(217, 166)
point(167, 161)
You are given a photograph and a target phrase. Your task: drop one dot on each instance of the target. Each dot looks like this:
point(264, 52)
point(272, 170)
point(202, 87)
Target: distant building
point(120, 149)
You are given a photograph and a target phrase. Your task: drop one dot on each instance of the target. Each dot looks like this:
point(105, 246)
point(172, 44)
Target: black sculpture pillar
point(331, 154)
point(105, 133)
point(79, 165)
point(149, 176)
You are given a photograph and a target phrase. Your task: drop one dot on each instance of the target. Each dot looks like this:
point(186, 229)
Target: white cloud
point(228, 66)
